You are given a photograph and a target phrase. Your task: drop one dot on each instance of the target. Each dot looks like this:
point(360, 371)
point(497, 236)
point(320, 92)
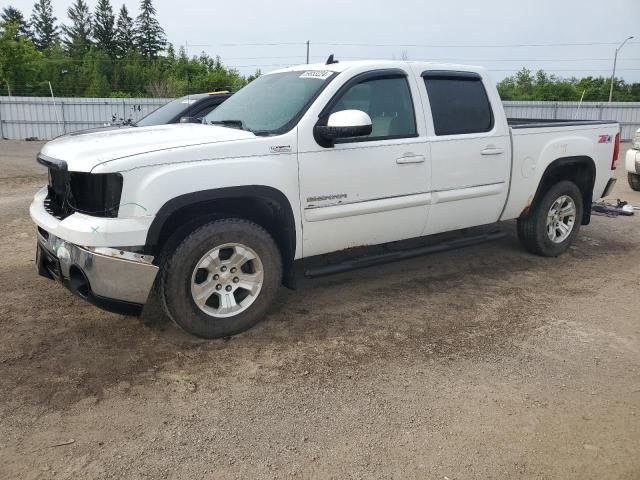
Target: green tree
point(97, 70)
point(150, 37)
point(104, 32)
point(253, 76)
point(543, 86)
point(124, 35)
point(19, 62)
point(44, 31)
point(11, 15)
point(77, 36)
point(524, 82)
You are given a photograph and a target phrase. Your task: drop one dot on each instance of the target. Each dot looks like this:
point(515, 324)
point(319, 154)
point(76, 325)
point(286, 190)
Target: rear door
point(367, 190)
point(470, 150)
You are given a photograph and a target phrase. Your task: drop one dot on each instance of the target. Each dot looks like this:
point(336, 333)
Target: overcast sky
point(464, 31)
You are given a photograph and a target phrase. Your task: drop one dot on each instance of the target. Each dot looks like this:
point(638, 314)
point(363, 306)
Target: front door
point(374, 189)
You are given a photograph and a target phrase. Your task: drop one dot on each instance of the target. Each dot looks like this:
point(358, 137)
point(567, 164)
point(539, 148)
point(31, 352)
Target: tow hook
point(620, 208)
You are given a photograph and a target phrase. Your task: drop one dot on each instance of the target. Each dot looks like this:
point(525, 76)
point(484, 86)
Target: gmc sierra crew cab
point(302, 162)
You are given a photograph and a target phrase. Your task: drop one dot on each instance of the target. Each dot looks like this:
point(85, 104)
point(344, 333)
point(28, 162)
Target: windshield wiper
point(230, 123)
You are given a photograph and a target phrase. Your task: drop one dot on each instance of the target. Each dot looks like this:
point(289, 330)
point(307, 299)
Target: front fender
point(159, 190)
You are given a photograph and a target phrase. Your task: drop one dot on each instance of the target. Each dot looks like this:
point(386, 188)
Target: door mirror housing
point(190, 120)
point(343, 124)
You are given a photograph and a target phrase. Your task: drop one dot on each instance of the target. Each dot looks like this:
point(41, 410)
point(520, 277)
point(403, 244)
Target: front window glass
point(387, 101)
point(271, 103)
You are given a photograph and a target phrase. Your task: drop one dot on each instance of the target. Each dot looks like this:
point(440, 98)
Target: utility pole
point(307, 52)
point(613, 74)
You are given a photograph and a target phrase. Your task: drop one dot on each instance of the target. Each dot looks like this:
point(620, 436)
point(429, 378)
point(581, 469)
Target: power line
point(514, 45)
point(428, 59)
point(564, 70)
point(275, 44)
point(149, 60)
point(458, 59)
point(422, 45)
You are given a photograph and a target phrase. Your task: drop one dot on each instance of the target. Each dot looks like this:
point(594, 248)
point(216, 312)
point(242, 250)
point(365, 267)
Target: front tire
point(222, 278)
point(634, 181)
point(554, 221)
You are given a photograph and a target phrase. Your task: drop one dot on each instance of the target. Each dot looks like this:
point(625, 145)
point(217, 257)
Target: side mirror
point(343, 124)
point(190, 120)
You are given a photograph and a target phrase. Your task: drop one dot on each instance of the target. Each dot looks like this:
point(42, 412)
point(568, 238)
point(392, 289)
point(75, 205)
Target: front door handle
point(410, 158)
point(492, 150)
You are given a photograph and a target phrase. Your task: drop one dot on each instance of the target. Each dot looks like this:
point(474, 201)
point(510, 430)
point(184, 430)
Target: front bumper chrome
point(112, 279)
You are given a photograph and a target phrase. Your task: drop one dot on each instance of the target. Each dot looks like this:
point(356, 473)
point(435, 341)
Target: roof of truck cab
point(377, 64)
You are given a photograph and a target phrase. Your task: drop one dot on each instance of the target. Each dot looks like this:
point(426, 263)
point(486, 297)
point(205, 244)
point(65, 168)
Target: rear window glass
point(458, 105)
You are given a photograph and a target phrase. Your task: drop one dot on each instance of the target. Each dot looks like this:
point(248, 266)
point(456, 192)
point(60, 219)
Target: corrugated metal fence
point(44, 118)
point(626, 113)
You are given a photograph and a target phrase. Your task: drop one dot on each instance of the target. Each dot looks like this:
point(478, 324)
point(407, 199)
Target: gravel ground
point(481, 363)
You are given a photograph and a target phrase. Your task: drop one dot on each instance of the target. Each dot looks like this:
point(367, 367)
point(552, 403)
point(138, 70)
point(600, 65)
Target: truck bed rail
point(547, 122)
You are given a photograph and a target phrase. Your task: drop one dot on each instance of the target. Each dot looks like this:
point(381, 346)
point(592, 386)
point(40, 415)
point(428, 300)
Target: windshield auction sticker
point(319, 74)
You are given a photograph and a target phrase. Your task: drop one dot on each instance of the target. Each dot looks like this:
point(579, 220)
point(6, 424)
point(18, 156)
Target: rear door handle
point(492, 150)
point(410, 158)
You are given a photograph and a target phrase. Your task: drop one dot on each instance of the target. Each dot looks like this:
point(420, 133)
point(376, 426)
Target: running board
point(389, 257)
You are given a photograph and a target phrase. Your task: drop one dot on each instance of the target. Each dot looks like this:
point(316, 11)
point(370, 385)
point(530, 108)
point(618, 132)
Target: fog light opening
point(78, 282)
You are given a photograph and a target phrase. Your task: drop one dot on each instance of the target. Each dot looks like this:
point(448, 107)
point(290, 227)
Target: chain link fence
point(44, 118)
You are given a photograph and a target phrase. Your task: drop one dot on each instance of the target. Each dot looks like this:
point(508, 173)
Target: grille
point(56, 203)
point(84, 192)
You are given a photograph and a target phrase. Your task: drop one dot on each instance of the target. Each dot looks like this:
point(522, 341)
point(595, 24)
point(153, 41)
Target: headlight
point(96, 194)
point(636, 140)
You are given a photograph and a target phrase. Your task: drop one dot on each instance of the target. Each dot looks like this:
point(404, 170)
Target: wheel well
point(580, 170)
point(271, 211)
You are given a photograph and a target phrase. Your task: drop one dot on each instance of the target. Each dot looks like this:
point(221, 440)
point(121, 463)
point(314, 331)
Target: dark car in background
point(188, 109)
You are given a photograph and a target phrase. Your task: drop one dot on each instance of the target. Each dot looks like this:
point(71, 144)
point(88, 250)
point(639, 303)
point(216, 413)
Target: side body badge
point(280, 149)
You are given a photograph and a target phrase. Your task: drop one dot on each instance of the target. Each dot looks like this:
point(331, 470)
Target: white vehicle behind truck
point(632, 163)
point(303, 162)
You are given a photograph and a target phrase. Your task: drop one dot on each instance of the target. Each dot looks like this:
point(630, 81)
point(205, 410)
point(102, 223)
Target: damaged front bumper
point(115, 280)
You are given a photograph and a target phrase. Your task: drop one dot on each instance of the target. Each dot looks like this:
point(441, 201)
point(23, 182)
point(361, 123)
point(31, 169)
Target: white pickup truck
point(301, 162)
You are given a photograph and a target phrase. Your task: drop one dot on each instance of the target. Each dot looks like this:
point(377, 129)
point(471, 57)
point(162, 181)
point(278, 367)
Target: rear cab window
point(459, 102)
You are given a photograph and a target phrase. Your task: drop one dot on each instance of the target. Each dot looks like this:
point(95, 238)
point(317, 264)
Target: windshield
point(271, 103)
point(167, 112)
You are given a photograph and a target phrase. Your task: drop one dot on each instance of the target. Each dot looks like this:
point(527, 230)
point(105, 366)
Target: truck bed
point(538, 143)
point(547, 122)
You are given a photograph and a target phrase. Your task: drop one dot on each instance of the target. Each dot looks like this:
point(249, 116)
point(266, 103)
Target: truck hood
point(82, 153)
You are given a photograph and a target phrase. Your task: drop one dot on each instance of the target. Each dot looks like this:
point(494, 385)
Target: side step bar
point(389, 257)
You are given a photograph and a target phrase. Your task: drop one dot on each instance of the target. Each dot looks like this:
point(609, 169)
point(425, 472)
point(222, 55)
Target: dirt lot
point(481, 363)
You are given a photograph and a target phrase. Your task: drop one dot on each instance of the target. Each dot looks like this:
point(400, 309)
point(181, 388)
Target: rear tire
point(221, 279)
point(554, 221)
point(634, 181)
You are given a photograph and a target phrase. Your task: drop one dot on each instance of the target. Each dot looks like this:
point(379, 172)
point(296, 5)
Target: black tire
point(178, 268)
point(532, 230)
point(634, 181)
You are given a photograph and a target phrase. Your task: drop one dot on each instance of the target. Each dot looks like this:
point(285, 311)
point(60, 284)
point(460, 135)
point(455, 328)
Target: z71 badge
point(604, 139)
